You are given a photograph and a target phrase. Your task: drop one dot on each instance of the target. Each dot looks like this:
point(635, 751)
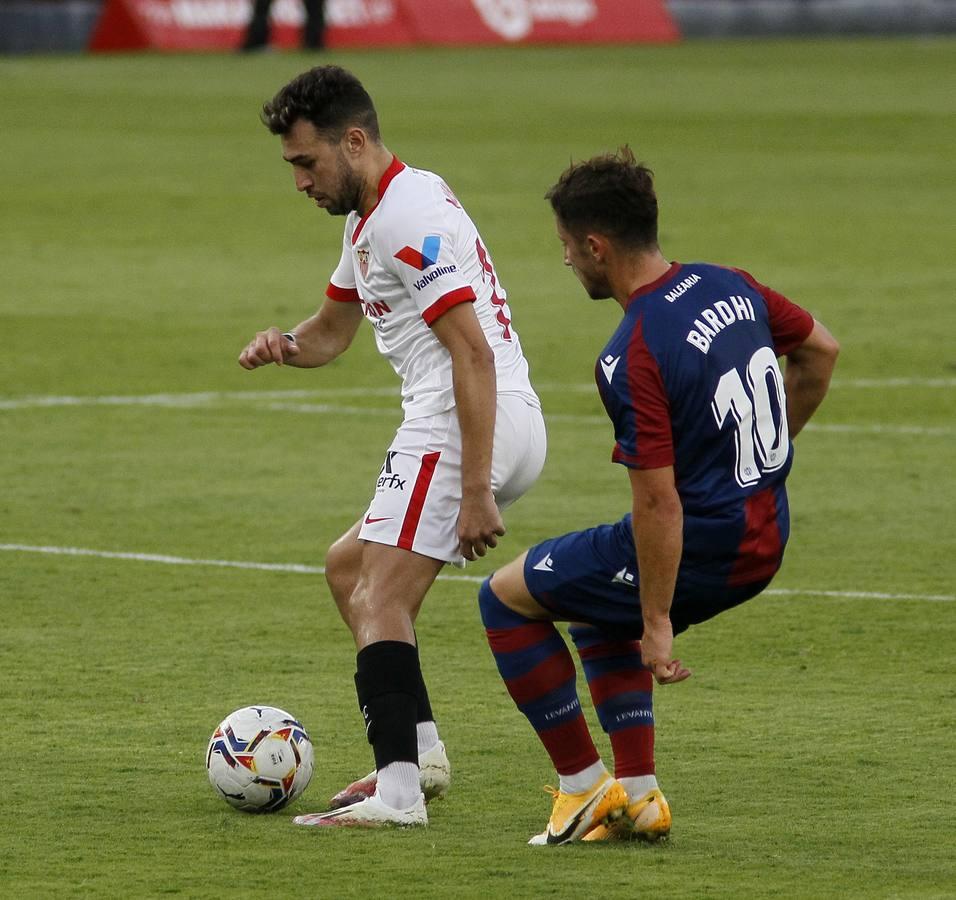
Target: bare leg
point(342, 565)
point(391, 586)
point(378, 589)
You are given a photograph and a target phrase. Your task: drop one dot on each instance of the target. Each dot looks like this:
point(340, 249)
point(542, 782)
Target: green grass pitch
point(149, 228)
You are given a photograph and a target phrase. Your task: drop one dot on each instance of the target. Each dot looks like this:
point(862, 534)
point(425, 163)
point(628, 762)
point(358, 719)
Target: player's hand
point(479, 524)
point(266, 347)
point(656, 646)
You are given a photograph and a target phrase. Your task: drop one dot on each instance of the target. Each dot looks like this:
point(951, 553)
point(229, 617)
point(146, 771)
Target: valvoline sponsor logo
point(424, 259)
point(437, 272)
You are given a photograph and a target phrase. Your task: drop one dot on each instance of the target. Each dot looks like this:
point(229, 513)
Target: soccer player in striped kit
point(703, 421)
point(473, 437)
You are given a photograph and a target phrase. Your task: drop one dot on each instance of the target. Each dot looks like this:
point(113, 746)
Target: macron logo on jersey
point(424, 258)
point(609, 364)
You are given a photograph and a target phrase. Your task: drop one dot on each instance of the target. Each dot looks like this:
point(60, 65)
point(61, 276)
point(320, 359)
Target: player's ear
point(354, 140)
point(597, 246)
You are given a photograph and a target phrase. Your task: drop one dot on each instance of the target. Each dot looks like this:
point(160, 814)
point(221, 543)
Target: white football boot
point(368, 813)
point(434, 778)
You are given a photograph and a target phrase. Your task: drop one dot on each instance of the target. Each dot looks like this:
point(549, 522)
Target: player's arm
point(658, 523)
point(318, 340)
point(476, 396)
point(809, 367)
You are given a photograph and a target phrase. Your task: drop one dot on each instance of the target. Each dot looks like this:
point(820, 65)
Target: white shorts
point(418, 492)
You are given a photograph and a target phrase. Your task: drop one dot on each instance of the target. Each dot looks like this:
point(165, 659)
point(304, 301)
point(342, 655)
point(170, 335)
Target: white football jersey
point(413, 257)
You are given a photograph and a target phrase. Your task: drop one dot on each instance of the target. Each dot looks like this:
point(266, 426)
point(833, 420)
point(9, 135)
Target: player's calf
point(342, 565)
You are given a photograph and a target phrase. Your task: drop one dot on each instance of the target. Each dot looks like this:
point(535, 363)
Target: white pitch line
point(201, 398)
point(324, 408)
point(215, 399)
point(881, 383)
point(576, 419)
point(861, 595)
point(164, 559)
point(299, 569)
point(205, 398)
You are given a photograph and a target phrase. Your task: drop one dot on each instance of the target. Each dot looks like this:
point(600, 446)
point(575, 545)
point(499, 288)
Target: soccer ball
point(259, 759)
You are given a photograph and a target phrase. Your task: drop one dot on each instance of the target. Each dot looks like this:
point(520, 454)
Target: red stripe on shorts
point(414, 512)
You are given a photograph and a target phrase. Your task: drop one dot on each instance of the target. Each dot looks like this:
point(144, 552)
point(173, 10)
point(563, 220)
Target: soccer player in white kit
point(473, 437)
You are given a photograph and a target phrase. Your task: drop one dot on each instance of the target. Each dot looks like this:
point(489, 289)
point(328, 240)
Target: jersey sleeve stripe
point(343, 295)
point(653, 441)
point(644, 460)
point(446, 302)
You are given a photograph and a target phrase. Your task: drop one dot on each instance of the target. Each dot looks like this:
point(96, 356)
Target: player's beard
point(596, 286)
point(348, 194)
point(597, 291)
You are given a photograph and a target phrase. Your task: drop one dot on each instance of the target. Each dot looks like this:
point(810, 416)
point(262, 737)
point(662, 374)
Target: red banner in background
point(219, 24)
point(540, 21)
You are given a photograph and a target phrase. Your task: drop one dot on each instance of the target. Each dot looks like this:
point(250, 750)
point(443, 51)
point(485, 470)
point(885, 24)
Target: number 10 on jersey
point(759, 410)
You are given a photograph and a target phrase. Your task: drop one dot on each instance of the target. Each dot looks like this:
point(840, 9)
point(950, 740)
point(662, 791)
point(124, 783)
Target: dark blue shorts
point(591, 576)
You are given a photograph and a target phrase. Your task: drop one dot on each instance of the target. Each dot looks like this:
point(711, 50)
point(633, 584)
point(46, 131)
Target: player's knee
point(505, 596)
point(508, 582)
point(493, 611)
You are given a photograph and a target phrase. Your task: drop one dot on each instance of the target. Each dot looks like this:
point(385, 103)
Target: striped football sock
point(622, 691)
point(539, 673)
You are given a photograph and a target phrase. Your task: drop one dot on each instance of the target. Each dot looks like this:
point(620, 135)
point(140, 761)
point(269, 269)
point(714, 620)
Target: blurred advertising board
point(219, 24)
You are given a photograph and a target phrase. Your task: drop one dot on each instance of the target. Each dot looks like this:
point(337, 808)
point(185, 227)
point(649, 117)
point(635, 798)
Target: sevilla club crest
point(363, 259)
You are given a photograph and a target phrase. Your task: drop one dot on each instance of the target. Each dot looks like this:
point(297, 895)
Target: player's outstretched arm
point(318, 340)
point(658, 524)
point(807, 378)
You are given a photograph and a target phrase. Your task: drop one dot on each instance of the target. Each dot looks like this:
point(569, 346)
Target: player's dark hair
point(329, 97)
point(611, 194)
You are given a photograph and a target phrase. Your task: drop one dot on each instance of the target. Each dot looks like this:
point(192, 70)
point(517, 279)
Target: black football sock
point(387, 683)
